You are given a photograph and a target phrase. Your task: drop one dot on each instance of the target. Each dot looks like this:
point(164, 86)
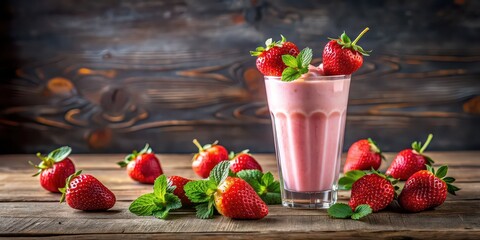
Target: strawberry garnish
point(364, 154)
point(243, 161)
point(159, 203)
point(410, 161)
point(426, 189)
point(208, 157)
point(54, 168)
point(269, 59)
point(85, 192)
point(233, 197)
point(142, 166)
point(341, 56)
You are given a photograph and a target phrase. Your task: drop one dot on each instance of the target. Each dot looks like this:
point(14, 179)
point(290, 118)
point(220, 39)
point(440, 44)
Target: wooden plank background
point(108, 76)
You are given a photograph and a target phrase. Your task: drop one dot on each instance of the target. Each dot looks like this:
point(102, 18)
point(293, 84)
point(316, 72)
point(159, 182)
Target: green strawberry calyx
point(374, 147)
point(159, 203)
point(441, 173)
point(419, 148)
point(268, 45)
point(346, 182)
point(342, 210)
point(202, 191)
point(264, 185)
point(49, 160)
point(296, 66)
point(346, 43)
point(232, 155)
point(67, 184)
point(134, 155)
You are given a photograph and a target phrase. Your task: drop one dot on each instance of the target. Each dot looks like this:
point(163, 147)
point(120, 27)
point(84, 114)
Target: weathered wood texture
point(117, 74)
point(27, 211)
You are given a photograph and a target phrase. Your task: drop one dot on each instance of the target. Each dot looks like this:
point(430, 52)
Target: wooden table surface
point(28, 211)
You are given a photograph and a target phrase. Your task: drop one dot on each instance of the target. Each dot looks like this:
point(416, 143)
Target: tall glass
point(308, 117)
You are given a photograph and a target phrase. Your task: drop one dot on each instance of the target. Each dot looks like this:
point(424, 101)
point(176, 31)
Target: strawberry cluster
point(372, 191)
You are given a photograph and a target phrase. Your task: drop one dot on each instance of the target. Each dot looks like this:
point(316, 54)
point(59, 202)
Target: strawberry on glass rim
point(341, 56)
point(269, 60)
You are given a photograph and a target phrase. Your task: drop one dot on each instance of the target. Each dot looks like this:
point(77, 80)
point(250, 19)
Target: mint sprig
point(264, 184)
point(157, 204)
point(296, 66)
point(342, 210)
point(202, 191)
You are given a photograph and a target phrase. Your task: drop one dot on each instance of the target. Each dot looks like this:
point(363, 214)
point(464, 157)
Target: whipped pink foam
point(309, 120)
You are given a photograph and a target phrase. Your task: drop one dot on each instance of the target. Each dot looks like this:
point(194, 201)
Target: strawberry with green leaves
point(233, 197)
point(269, 60)
point(426, 189)
point(296, 66)
point(342, 56)
point(410, 161)
point(264, 184)
point(142, 166)
point(85, 192)
point(364, 154)
point(208, 157)
point(159, 203)
point(243, 161)
point(54, 168)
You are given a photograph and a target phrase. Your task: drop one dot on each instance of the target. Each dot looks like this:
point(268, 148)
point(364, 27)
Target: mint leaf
point(172, 201)
point(199, 191)
point(161, 213)
point(170, 187)
point(144, 205)
point(220, 172)
point(271, 198)
point(267, 179)
point(253, 178)
point(304, 58)
point(289, 74)
point(60, 153)
point(204, 210)
point(290, 61)
point(264, 185)
point(361, 211)
point(160, 187)
point(340, 210)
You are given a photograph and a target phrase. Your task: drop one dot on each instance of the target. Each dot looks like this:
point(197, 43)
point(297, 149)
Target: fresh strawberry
point(342, 56)
point(243, 161)
point(142, 166)
point(374, 189)
point(269, 59)
point(207, 157)
point(55, 168)
point(363, 155)
point(232, 197)
point(179, 182)
point(410, 161)
point(426, 189)
point(85, 192)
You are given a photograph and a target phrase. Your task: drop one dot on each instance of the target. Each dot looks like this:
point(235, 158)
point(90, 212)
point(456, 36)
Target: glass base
point(309, 200)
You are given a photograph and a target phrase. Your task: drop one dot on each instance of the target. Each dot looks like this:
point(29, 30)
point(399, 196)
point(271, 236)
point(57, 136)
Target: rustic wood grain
point(117, 74)
point(27, 211)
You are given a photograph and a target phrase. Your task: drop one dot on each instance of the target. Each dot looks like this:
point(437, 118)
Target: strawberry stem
point(429, 139)
point(200, 148)
point(360, 35)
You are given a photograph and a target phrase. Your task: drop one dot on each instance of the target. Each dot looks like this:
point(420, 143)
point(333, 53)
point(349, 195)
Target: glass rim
point(315, 78)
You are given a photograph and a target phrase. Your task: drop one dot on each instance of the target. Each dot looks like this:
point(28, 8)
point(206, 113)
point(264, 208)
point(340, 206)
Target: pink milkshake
point(308, 118)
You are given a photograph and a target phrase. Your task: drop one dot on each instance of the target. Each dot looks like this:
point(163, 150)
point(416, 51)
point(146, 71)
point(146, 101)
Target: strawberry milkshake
point(308, 118)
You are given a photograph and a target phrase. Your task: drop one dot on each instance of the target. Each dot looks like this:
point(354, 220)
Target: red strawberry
point(410, 161)
point(142, 166)
point(426, 189)
point(363, 155)
point(55, 169)
point(243, 161)
point(374, 189)
point(179, 183)
point(269, 60)
point(342, 56)
point(207, 157)
point(85, 192)
point(232, 197)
